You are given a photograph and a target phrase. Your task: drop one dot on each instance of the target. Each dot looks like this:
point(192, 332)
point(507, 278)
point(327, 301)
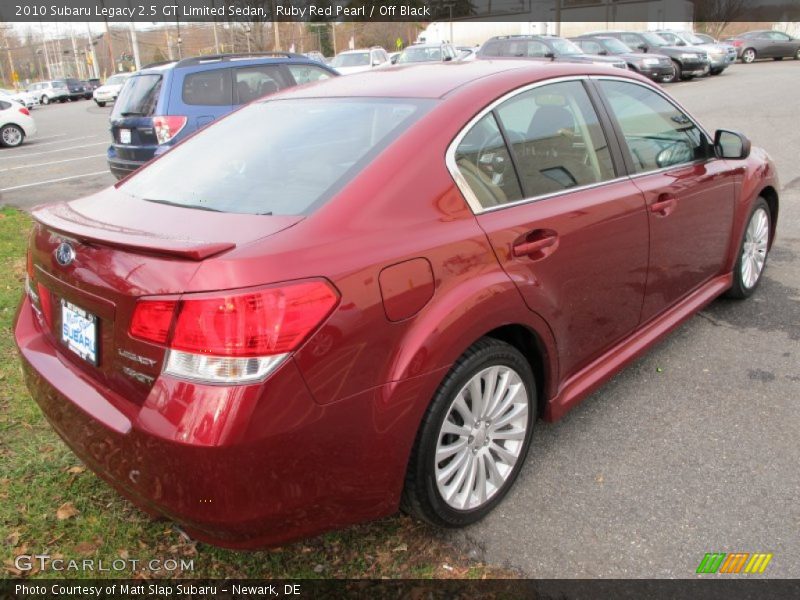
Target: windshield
point(356, 59)
point(289, 156)
point(139, 97)
point(614, 46)
point(565, 46)
point(116, 79)
point(654, 39)
point(420, 54)
point(691, 38)
point(705, 39)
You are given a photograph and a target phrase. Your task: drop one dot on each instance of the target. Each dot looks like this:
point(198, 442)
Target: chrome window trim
point(461, 182)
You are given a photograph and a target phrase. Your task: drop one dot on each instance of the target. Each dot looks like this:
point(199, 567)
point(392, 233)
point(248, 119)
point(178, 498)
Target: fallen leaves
point(66, 511)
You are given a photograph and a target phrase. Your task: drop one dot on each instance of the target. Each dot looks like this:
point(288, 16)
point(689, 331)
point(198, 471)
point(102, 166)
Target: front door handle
point(537, 244)
point(665, 204)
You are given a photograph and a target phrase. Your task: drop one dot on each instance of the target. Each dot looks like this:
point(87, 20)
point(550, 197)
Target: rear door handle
point(664, 205)
point(535, 243)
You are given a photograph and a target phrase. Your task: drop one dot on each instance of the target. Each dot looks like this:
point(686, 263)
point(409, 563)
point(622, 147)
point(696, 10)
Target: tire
point(777, 58)
point(485, 361)
point(45, 99)
point(716, 71)
point(100, 104)
point(676, 73)
point(748, 55)
point(62, 100)
point(755, 242)
point(11, 136)
point(797, 54)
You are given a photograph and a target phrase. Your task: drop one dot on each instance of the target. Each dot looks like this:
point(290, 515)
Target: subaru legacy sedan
point(367, 302)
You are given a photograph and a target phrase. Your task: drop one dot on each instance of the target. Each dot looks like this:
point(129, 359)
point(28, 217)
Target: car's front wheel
point(100, 104)
point(797, 54)
point(752, 252)
point(473, 438)
point(749, 55)
point(11, 136)
point(45, 99)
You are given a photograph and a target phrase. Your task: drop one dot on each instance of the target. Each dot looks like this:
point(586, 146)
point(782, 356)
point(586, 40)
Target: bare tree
point(716, 15)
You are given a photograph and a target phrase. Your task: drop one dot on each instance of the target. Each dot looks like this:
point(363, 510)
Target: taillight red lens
point(262, 323)
point(30, 265)
point(46, 303)
point(167, 127)
point(738, 43)
point(25, 111)
point(152, 319)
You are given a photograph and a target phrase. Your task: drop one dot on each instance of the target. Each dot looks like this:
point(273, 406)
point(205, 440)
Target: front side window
point(565, 46)
point(556, 138)
point(632, 40)
point(308, 73)
point(253, 82)
point(420, 54)
point(287, 156)
point(615, 46)
point(590, 47)
point(483, 160)
point(656, 132)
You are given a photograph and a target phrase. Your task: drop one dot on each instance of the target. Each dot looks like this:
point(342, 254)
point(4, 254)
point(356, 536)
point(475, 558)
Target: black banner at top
point(599, 11)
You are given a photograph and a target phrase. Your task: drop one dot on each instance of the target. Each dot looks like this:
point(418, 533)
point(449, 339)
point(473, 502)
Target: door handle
point(664, 205)
point(536, 242)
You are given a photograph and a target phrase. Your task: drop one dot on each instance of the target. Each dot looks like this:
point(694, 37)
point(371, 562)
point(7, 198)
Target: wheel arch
point(770, 194)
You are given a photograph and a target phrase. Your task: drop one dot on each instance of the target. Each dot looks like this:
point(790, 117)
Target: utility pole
point(135, 45)
point(46, 55)
point(95, 69)
point(78, 69)
point(14, 74)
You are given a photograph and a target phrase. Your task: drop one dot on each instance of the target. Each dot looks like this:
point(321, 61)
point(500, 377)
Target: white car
point(358, 61)
point(109, 91)
point(25, 98)
point(50, 91)
point(16, 123)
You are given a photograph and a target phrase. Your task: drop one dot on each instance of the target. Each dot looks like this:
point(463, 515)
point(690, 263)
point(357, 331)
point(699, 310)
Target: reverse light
point(233, 337)
point(167, 127)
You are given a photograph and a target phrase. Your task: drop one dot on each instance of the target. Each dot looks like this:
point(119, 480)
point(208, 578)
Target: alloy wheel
point(481, 437)
point(748, 55)
point(754, 249)
point(11, 135)
point(44, 100)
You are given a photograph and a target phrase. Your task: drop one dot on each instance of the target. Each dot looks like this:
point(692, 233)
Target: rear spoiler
point(109, 235)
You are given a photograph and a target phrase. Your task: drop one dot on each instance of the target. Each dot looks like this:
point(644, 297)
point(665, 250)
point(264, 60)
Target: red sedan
point(361, 295)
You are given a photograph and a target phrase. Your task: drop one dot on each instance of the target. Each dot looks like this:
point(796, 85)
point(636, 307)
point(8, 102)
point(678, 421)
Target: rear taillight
point(25, 111)
point(167, 127)
point(234, 337)
point(737, 43)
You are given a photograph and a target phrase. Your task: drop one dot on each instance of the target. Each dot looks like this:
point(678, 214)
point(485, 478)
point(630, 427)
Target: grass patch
point(51, 504)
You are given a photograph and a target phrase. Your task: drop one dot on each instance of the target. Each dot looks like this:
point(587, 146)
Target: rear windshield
point(281, 157)
point(115, 80)
point(355, 59)
point(139, 97)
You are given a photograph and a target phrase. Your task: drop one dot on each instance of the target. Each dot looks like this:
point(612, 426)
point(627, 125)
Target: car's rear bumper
point(121, 168)
point(242, 466)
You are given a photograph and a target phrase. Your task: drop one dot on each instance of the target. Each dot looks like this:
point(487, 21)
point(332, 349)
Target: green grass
point(39, 475)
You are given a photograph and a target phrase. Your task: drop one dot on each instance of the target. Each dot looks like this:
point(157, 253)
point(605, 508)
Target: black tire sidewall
point(491, 353)
point(738, 289)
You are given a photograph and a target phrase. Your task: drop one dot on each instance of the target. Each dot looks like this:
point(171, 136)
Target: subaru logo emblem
point(65, 254)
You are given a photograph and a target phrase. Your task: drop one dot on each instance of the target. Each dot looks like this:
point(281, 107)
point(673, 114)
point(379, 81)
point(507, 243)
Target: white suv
point(357, 61)
point(50, 91)
point(109, 91)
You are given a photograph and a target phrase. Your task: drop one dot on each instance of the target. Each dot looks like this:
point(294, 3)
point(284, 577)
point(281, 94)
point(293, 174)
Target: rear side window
point(4, 105)
point(139, 97)
point(253, 82)
point(289, 156)
point(516, 48)
point(208, 88)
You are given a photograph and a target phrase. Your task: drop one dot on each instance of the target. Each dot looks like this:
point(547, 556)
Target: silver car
point(720, 56)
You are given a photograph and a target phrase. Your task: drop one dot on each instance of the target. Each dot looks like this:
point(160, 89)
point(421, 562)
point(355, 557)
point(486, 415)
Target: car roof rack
point(197, 60)
point(156, 64)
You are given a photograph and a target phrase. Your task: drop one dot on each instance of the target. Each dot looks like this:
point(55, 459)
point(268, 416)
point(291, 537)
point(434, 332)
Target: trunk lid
point(124, 249)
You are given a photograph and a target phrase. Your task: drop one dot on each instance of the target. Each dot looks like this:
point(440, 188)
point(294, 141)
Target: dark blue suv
point(163, 103)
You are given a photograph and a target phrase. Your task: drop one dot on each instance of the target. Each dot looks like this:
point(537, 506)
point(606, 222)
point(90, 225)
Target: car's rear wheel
point(752, 252)
point(473, 438)
point(11, 136)
point(797, 54)
point(45, 99)
point(748, 55)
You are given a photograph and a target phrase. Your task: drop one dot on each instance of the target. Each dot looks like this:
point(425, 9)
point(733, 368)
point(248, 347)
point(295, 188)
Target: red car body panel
point(324, 441)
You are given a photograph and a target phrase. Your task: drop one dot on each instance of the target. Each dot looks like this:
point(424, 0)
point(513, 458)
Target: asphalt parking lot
point(693, 449)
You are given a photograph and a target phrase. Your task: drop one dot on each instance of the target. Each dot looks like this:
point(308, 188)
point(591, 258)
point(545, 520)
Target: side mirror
point(603, 53)
point(730, 144)
point(642, 47)
point(549, 55)
point(446, 58)
point(376, 63)
point(680, 43)
point(394, 59)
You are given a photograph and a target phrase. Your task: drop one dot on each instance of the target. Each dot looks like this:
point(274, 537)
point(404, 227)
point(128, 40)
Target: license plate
point(124, 136)
point(79, 331)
